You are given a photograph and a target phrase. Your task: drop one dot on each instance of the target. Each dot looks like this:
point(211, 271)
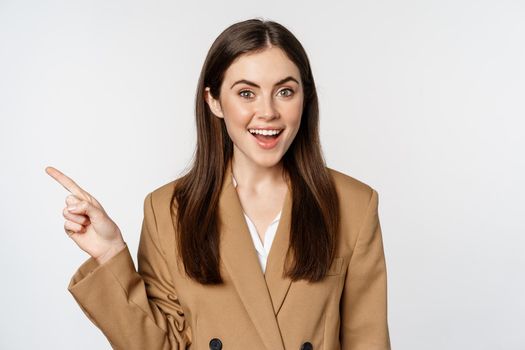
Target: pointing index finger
point(67, 182)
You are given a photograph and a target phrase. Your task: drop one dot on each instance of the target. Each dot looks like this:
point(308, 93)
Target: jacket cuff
point(119, 267)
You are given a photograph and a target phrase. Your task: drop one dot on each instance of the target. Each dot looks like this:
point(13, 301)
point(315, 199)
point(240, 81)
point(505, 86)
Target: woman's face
point(260, 90)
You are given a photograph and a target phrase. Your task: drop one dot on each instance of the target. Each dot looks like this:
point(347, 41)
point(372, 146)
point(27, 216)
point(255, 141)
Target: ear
point(215, 105)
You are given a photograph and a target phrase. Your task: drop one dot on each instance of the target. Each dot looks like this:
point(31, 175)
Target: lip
point(267, 144)
point(266, 128)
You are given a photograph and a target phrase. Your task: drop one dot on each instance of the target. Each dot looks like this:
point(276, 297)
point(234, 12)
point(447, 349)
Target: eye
point(245, 93)
point(290, 92)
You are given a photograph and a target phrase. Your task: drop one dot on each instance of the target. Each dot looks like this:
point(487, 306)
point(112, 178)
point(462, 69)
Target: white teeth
point(264, 132)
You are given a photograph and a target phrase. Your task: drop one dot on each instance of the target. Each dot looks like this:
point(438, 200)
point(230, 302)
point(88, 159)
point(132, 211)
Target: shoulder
point(347, 185)
point(163, 191)
point(160, 197)
point(358, 205)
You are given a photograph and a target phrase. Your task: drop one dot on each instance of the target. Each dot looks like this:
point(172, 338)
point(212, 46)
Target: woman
point(206, 277)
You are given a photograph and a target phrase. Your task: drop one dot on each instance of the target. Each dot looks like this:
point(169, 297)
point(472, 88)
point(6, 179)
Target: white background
point(422, 100)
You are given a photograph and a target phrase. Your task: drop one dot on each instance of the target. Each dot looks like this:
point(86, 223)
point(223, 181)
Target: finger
point(72, 227)
point(86, 208)
point(67, 182)
point(69, 232)
point(72, 199)
point(79, 219)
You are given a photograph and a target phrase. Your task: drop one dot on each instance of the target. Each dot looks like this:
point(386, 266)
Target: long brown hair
point(315, 208)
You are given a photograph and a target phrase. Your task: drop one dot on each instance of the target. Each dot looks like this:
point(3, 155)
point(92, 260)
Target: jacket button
point(307, 346)
point(215, 344)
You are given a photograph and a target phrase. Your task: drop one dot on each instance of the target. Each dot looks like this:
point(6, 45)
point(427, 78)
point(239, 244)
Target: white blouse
point(263, 248)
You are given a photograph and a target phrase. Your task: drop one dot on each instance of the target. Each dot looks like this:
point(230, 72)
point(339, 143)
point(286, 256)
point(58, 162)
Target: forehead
point(264, 67)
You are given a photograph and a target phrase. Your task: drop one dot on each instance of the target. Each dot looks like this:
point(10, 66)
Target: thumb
point(85, 208)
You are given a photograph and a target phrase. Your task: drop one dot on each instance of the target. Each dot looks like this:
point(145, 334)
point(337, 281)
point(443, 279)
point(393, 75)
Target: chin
point(260, 158)
point(268, 162)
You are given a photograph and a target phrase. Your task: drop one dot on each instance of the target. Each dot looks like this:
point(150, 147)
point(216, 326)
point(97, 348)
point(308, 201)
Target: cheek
point(236, 119)
point(293, 112)
point(236, 112)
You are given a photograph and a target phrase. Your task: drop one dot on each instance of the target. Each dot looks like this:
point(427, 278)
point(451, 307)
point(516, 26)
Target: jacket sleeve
point(364, 324)
point(135, 309)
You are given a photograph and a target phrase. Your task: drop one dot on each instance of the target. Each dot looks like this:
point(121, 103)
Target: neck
point(257, 178)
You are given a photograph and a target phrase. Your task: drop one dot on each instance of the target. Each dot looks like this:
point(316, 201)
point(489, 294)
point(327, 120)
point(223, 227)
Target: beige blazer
point(157, 307)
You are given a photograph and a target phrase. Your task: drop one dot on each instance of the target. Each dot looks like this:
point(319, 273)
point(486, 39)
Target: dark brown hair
point(315, 206)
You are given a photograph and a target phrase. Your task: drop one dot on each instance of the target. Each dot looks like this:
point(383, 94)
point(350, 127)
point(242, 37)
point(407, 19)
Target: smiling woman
point(257, 101)
point(260, 245)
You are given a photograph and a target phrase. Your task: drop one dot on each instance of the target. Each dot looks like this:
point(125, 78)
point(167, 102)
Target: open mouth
point(266, 138)
point(265, 134)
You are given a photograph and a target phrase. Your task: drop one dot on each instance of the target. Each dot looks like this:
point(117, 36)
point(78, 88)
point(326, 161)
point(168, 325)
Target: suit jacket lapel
point(278, 285)
point(261, 294)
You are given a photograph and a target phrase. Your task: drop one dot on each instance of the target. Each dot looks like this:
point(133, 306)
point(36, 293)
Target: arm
point(134, 310)
point(364, 324)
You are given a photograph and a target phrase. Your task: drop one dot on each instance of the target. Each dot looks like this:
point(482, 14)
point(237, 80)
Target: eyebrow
point(251, 83)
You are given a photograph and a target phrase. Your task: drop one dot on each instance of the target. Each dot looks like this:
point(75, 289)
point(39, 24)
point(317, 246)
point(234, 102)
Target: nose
point(267, 108)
